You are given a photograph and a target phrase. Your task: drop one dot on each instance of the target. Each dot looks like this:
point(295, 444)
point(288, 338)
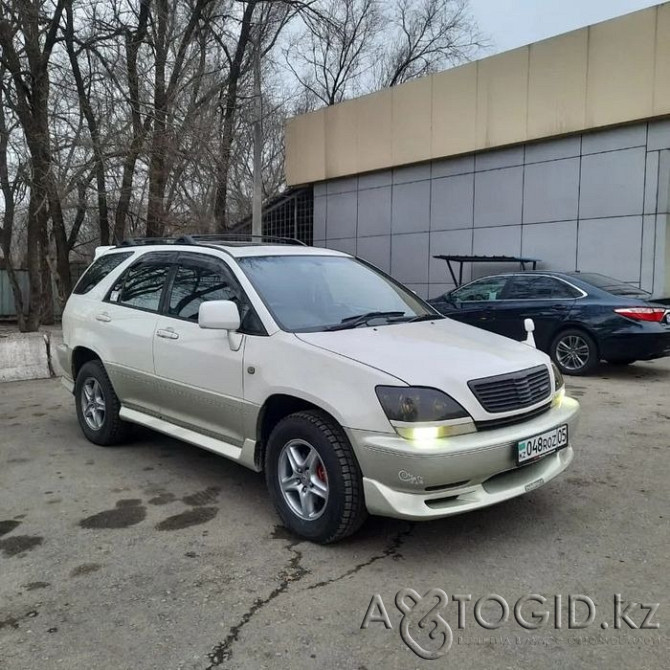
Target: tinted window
point(611, 285)
point(141, 286)
point(200, 282)
point(532, 287)
point(99, 270)
point(194, 285)
point(489, 288)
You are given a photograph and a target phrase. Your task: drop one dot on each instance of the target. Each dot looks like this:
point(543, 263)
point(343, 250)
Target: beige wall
point(611, 73)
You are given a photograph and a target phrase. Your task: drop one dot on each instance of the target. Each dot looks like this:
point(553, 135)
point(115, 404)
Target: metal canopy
point(461, 260)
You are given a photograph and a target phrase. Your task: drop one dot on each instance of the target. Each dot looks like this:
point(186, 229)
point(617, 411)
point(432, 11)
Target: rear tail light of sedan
point(654, 314)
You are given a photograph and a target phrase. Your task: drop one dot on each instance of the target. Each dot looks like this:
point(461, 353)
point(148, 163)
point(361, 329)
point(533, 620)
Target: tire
point(621, 361)
point(327, 480)
point(575, 352)
point(102, 425)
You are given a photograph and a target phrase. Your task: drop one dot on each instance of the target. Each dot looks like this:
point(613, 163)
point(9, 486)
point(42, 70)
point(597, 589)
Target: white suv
point(351, 393)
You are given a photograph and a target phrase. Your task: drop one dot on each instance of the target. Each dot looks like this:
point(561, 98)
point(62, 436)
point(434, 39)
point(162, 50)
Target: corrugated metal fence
point(7, 306)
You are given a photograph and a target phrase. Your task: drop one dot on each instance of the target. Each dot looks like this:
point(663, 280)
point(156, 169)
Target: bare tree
point(332, 54)
point(357, 46)
point(27, 38)
point(9, 187)
point(422, 36)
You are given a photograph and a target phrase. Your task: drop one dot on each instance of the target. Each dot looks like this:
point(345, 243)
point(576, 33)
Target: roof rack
point(225, 239)
point(144, 241)
point(238, 238)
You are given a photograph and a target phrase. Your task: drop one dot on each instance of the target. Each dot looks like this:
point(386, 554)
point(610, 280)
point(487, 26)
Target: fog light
point(430, 433)
point(559, 396)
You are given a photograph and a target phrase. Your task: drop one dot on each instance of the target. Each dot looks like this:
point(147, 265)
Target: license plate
point(540, 445)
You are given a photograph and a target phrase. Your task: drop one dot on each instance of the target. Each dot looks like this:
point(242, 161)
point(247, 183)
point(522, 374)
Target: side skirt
point(243, 455)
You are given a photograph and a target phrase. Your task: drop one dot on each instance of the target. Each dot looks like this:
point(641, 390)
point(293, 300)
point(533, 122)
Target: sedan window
point(482, 290)
point(539, 287)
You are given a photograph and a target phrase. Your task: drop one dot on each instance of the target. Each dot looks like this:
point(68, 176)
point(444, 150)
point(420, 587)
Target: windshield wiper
point(360, 319)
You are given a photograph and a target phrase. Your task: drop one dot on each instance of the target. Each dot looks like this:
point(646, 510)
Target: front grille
point(512, 420)
point(517, 390)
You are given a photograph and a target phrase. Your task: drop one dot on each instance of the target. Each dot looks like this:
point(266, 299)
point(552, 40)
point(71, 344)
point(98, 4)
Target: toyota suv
point(348, 391)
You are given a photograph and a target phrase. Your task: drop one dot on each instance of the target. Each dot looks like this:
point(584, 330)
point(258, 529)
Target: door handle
point(167, 334)
point(104, 317)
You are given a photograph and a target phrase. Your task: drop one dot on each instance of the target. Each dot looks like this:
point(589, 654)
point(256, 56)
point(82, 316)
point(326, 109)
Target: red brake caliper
point(321, 472)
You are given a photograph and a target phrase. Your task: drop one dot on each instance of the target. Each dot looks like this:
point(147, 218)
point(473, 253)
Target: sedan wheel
point(574, 352)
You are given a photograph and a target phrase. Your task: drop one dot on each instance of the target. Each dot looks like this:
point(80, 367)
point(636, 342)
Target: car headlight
point(558, 377)
point(420, 413)
point(559, 387)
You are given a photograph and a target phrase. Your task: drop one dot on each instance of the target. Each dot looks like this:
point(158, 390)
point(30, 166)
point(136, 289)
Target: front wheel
point(98, 406)
point(574, 352)
point(313, 477)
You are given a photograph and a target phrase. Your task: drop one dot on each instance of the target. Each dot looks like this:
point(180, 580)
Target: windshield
point(313, 293)
point(610, 284)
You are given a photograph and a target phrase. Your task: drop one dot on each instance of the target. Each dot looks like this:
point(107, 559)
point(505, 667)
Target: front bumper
point(415, 480)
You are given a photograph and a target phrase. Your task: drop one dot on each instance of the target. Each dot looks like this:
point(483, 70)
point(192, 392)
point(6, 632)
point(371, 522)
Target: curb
point(25, 356)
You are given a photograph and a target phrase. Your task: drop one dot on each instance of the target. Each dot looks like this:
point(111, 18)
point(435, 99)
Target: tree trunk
point(226, 147)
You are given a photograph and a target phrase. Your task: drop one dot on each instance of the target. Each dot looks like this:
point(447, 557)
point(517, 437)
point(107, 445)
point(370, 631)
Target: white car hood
point(443, 354)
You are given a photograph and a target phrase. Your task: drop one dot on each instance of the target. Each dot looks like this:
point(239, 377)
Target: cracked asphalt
point(160, 555)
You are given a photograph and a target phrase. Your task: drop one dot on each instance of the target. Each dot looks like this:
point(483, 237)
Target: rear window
point(612, 285)
point(99, 270)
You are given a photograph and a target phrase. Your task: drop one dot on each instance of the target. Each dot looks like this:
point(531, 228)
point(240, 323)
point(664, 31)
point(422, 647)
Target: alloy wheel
point(573, 352)
point(93, 405)
point(303, 480)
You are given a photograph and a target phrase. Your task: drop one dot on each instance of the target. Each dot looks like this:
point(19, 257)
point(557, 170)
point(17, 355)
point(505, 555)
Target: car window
point(481, 290)
point(99, 270)
point(612, 285)
point(141, 286)
point(311, 293)
point(196, 282)
point(539, 287)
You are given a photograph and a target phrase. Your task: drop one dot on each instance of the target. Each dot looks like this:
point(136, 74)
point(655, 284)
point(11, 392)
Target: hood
point(442, 354)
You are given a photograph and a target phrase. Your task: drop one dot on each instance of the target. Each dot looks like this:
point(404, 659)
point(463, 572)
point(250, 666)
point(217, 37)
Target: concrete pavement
point(159, 555)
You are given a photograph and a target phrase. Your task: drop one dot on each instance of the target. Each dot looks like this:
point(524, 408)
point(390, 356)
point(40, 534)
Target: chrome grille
point(517, 390)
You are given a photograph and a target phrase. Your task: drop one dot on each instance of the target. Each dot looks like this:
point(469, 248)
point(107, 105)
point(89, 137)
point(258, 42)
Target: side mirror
point(529, 327)
point(219, 315)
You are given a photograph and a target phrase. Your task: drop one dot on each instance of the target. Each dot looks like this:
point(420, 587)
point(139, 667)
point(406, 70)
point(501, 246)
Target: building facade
point(558, 151)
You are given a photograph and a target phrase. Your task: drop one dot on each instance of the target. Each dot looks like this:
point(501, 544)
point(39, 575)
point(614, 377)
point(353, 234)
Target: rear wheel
point(313, 478)
point(574, 352)
point(98, 406)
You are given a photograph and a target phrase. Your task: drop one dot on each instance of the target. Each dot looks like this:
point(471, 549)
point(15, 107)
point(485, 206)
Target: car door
point(199, 372)
point(126, 322)
point(545, 299)
point(476, 303)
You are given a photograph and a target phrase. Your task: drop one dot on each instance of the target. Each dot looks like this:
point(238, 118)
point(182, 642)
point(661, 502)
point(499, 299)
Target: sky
point(513, 23)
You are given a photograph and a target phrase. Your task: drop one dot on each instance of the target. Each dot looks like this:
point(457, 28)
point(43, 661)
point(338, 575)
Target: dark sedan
point(580, 318)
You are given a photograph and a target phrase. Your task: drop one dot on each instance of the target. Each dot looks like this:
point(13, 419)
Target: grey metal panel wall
point(594, 202)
